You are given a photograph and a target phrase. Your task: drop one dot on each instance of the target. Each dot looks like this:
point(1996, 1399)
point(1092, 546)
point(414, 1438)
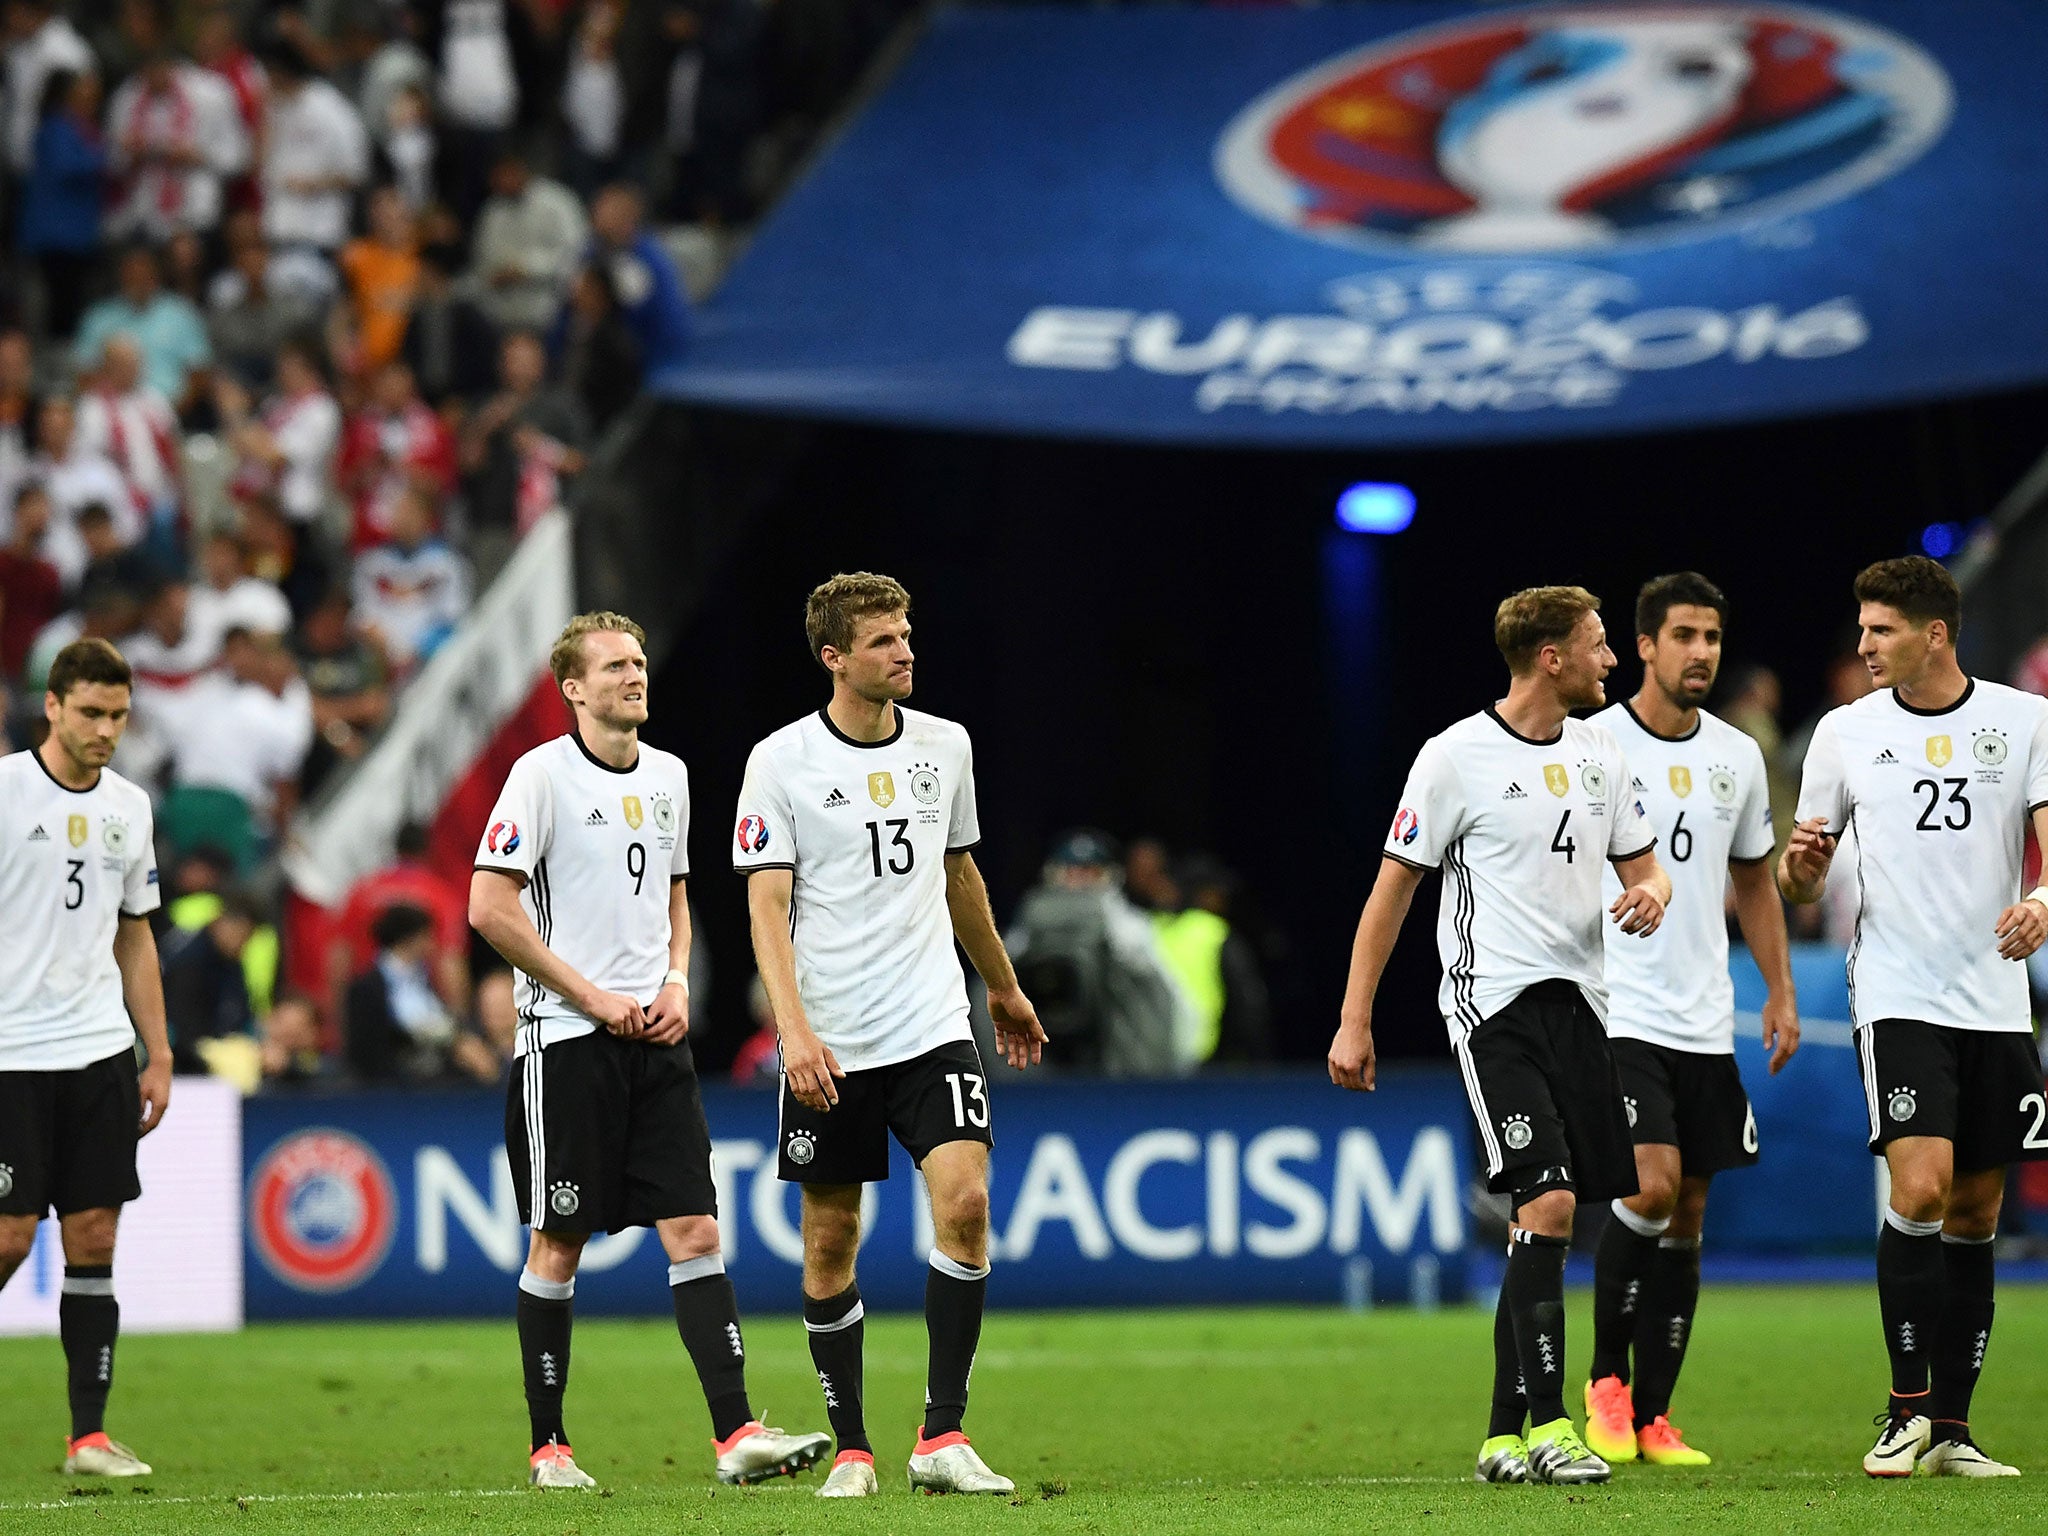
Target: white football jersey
point(599, 848)
point(1940, 800)
point(866, 827)
point(1523, 831)
point(1708, 802)
point(72, 861)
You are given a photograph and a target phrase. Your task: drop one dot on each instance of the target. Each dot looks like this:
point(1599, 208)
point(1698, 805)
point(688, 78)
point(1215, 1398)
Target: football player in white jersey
point(1523, 808)
point(579, 883)
point(1940, 773)
point(77, 885)
point(856, 833)
point(1671, 1014)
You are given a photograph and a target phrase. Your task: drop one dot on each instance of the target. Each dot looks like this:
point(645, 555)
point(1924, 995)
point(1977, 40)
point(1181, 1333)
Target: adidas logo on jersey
point(1514, 792)
point(836, 799)
point(1884, 757)
point(39, 836)
point(595, 819)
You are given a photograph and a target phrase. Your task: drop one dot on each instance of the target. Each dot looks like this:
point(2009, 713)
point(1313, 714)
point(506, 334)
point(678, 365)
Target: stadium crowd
point(307, 313)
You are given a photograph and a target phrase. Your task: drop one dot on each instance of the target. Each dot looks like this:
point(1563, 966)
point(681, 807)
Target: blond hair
point(566, 659)
point(1538, 616)
point(834, 607)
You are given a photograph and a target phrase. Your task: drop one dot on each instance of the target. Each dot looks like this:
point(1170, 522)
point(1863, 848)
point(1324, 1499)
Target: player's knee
point(1658, 1197)
point(89, 1237)
point(16, 1242)
point(691, 1237)
point(1920, 1194)
point(963, 1211)
point(1547, 1213)
point(554, 1255)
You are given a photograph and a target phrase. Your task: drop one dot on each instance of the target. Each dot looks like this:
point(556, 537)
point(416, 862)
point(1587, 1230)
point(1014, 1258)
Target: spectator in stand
point(1148, 876)
point(412, 591)
point(289, 452)
point(217, 46)
point(497, 1018)
point(127, 422)
point(229, 597)
point(712, 122)
point(644, 280)
point(315, 155)
point(291, 1059)
point(529, 241)
point(175, 133)
point(277, 554)
point(31, 591)
point(516, 452)
point(63, 197)
point(759, 1062)
point(405, 141)
point(248, 315)
point(187, 266)
point(596, 357)
point(111, 562)
point(397, 1026)
point(382, 271)
point(349, 683)
point(206, 992)
point(169, 330)
point(395, 443)
point(410, 880)
point(17, 411)
point(478, 91)
point(450, 344)
point(39, 43)
point(594, 100)
point(175, 644)
point(103, 613)
point(240, 733)
point(77, 478)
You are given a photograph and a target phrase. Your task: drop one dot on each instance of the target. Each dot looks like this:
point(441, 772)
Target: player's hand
point(669, 1019)
point(810, 1067)
point(1019, 1035)
point(154, 1085)
point(620, 1014)
point(2021, 929)
point(1781, 1030)
point(1352, 1064)
point(1639, 910)
point(1809, 852)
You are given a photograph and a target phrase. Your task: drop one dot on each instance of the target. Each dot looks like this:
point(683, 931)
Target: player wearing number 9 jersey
point(1939, 775)
point(579, 883)
point(856, 831)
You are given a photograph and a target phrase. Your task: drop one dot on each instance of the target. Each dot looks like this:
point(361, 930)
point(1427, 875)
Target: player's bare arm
point(1762, 918)
point(1019, 1035)
point(142, 988)
point(1803, 869)
point(1386, 909)
point(668, 1018)
point(1645, 893)
point(2023, 926)
point(494, 912)
point(807, 1061)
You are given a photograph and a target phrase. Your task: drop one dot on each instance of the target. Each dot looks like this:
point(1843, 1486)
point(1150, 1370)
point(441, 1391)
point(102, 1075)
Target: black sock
point(837, 1336)
point(546, 1310)
point(1965, 1331)
point(1510, 1404)
point(89, 1320)
point(1664, 1324)
point(953, 1299)
point(1535, 1292)
point(708, 1318)
point(1620, 1266)
point(1911, 1277)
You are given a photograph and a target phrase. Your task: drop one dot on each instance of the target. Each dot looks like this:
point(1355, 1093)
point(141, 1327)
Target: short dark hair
point(1528, 620)
point(1681, 589)
point(88, 661)
point(1918, 587)
point(399, 924)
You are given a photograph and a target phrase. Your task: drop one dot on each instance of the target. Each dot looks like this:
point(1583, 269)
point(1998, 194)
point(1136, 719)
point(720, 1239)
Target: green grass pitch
point(1263, 1421)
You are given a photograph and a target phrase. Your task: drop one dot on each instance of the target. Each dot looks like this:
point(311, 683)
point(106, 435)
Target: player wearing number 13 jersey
point(579, 883)
point(1938, 774)
point(856, 832)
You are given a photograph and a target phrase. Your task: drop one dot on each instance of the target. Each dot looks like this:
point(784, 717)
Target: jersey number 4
point(1568, 846)
point(898, 827)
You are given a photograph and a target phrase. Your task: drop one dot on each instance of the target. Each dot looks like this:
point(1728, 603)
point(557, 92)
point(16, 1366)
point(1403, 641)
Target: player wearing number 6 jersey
point(1671, 1015)
point(1939, 775)
point(856, 833)
point(1523, 808)
point(579, 883)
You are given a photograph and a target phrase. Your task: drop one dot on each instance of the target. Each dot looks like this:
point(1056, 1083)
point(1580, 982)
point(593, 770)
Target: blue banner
point(1266, 1189)
point(1409, 224)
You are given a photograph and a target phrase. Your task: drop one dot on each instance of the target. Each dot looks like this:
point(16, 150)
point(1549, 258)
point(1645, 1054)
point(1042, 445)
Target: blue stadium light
point(1940, 540)
point(1371, 507)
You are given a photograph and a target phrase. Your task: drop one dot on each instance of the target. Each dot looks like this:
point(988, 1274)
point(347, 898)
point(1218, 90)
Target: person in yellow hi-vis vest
point(1229, 1014)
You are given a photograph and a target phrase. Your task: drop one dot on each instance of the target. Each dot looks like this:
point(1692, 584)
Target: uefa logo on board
point(1585, 128)
point(322, 1210)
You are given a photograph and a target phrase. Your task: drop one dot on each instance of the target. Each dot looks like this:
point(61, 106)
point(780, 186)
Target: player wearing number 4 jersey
point(1939, 775)
point(579, 883)
point(1671, 1015)
point(77, 885)
point(856, 833)
point(1523, 808)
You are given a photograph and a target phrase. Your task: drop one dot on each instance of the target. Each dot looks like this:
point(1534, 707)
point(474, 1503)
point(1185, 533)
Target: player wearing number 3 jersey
point(1938, 775)
point(855, 830)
